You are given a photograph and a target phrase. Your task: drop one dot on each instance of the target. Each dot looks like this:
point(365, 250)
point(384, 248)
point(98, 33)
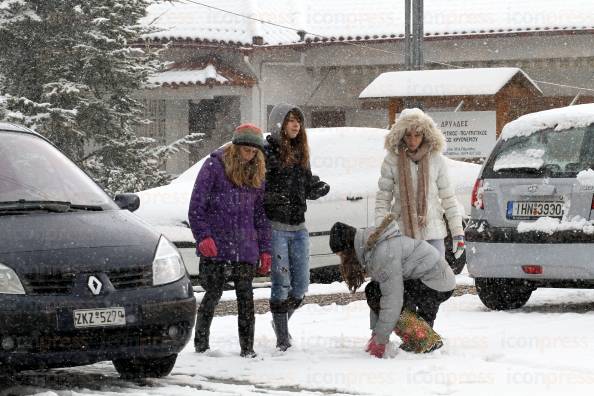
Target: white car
point(532, 222)
point(349, 159)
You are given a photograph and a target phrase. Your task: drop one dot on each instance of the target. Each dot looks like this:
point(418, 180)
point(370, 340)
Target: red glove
point(265, 263)
point(375, 349)
point(367, 347)
point(207, 247)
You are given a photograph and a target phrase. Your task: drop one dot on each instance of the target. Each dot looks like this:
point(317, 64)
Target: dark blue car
point(82, 279)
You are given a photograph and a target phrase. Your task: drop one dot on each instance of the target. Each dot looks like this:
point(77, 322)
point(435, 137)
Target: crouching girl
point(409, 280)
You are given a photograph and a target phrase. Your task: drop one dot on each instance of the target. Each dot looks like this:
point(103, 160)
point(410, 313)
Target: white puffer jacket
point(441, 196)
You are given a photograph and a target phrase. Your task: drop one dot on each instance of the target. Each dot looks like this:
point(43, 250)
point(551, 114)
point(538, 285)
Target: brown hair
point(250, 174)
point(294, 151)
point(351, 269)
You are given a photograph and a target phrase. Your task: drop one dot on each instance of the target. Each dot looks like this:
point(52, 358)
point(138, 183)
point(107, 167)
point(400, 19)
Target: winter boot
point(248, 354)
point(272, 324)
point(201, 341)
point(203, 322)
point(281, 329)
point(246, 337)
point(292, 305)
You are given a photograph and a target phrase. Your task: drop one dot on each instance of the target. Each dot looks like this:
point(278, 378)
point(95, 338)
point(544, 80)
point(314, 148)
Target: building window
point(154, 111)
point(328, 119)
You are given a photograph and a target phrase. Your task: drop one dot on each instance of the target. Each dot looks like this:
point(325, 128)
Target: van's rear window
point(546, 153)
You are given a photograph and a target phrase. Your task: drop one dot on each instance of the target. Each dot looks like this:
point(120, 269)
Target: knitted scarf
point(414, 214)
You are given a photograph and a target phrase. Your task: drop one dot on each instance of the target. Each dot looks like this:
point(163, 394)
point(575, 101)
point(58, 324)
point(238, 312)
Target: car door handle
point(354, 198)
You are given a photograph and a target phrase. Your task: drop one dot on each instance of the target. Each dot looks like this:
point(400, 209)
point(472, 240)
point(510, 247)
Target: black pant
point(418, 298)
point(212, 276)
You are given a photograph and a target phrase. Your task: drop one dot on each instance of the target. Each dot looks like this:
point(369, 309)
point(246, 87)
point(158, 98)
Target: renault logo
point(532, 188)
point(95, 285)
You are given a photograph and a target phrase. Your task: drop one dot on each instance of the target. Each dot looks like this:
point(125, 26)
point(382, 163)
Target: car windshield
point(31, 169)
point(547, 152)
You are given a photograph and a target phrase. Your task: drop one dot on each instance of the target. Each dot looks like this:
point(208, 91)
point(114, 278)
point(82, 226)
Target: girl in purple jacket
point(231, 230)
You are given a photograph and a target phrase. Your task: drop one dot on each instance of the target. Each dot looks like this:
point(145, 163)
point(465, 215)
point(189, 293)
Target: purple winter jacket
point(233, 216)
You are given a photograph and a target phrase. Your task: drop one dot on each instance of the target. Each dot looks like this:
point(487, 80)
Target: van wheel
point(135, 368)
point(502, 294)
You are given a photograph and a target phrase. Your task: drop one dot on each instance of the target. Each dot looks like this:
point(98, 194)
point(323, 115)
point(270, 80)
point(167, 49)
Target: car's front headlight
point(168, 265)
point(9, 281)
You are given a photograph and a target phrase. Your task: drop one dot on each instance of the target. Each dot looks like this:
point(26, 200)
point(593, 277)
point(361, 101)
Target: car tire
point(135, 368)
point(325, 275)
point(501, 294)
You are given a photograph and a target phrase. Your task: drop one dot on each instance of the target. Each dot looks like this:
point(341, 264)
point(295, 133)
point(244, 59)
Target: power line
point(355, 44)
point(564, 85)
point(288, 27)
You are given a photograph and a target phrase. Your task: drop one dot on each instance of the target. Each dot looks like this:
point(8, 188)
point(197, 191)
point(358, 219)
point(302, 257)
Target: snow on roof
point(478, 81)
point(188, 76)
point(199, 75)
point(355, 20)
point(559, 119)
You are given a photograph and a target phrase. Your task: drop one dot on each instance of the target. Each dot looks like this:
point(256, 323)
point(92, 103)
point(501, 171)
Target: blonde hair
point(250, 174)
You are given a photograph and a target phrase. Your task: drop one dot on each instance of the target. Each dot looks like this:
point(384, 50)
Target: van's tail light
point(592, 203)
point(476, 198)
point(532, 269)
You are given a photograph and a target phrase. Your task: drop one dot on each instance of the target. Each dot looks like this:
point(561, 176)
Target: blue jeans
point(290, 264)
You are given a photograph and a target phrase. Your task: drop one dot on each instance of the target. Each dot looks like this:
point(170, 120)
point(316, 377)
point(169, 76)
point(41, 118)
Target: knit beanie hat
point(342, 237)
point(248, 135)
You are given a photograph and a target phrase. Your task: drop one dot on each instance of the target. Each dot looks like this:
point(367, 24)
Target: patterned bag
point(416, 334)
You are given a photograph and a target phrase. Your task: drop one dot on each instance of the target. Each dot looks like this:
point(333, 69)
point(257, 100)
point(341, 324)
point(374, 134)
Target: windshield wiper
point(23, 205)
point(520, 169)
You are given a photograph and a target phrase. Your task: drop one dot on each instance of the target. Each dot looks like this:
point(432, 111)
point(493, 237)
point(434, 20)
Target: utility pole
point(413, 34)
point(413, 39)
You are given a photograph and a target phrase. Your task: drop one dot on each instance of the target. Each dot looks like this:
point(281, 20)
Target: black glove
point(274, 199)
point(318, 190)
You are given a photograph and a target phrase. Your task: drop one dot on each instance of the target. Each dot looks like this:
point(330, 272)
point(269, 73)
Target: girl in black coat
point(289, 183)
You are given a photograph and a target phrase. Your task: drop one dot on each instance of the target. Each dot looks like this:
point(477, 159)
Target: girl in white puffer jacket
point(414, 184)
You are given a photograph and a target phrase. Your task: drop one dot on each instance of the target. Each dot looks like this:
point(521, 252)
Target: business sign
point(469, 134)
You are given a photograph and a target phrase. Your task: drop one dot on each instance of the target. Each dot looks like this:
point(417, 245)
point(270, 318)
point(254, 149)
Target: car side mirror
point(128, 201)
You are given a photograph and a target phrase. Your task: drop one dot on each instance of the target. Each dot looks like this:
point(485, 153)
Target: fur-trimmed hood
point(418, 119)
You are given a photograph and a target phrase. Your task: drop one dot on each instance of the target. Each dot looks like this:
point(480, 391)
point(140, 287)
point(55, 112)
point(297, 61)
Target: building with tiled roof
point(227, 67)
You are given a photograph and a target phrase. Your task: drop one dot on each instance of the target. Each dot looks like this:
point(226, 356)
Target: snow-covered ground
point(544, 348)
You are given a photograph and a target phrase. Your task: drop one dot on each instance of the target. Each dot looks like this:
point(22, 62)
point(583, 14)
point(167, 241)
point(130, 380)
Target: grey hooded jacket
point(393, 259)
point(277, 116)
